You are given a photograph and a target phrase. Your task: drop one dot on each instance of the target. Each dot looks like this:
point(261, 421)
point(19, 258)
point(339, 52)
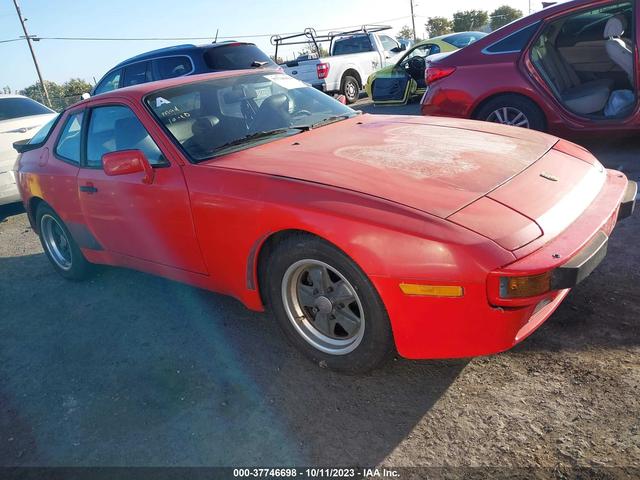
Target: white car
point(353, 56)
point(20, 119)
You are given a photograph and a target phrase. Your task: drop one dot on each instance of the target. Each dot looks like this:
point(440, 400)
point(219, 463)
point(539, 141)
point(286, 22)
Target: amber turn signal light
point(527, 286)
point(431, 290)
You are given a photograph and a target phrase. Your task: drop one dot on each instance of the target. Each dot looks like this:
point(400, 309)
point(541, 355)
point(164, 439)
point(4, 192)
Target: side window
point(68, 146)
point(108, 83)
point(136, 73)
point(514, 42)
point(114, 128)
point(171, 67)
point(388, 43)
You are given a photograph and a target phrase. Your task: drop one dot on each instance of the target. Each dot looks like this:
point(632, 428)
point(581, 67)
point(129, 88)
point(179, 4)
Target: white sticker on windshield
point(161, 101)
point(285, 81)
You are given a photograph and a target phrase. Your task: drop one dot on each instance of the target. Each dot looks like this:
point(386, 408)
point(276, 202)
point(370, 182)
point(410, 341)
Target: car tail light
point(323, 70)
point(525, 286)
point(437, 73)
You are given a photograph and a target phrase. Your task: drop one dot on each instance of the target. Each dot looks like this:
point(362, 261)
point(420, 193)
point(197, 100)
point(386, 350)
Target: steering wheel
point(416, 63)
point(298, 113)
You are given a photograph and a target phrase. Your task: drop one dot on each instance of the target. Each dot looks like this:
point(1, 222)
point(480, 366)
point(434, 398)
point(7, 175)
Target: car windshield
point(221, 115)
point(236, 56)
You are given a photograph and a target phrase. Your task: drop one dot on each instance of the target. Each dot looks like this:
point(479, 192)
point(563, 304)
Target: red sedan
point(361, 233)
point(570, 69)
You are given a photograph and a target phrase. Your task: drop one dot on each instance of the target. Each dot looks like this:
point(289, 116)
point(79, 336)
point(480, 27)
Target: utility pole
point(33, 53)
point(413, 21)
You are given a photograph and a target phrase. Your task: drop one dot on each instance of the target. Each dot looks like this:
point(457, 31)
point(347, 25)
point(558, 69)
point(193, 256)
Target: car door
point(151, 222)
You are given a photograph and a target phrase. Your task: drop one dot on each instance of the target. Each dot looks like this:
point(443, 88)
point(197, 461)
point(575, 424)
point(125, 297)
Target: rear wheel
point(350, 89)
point(512, 110)
point(327, 306)
point(59, 246)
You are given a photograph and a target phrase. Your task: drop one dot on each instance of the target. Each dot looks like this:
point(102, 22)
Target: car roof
point(184, 49)
point(136, 92)
point(11, 95)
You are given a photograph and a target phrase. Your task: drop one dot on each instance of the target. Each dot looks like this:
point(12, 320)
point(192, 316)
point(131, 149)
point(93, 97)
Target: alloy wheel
point(323, 306)
point(56, 241)
point(509, 116)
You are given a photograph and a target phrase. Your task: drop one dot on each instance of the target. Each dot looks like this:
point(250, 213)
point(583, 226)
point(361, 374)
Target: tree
point(6, 89)
point(61, 95)
point(405, 33)
point(503, 15)
point(436, 26)
point(311, 50)
point(469, 20)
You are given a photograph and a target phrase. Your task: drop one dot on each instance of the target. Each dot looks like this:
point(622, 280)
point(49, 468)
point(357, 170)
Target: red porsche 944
point(363, 234)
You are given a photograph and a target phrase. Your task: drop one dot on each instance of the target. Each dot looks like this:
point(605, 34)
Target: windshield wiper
point(258, 136)
point(329, 120)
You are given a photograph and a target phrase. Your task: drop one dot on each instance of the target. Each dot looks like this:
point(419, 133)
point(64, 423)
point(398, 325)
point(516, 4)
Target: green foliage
point(405, 33)
point(311, 49)
point(437, 26)
point(469, 20)
point(503, 15)
point(61, 95)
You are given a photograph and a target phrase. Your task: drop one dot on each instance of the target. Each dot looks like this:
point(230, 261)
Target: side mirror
point(342, 99)
point(85, 95)
point(126, 162)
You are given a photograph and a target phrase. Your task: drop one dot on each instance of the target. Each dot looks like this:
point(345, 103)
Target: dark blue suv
point(182, 60)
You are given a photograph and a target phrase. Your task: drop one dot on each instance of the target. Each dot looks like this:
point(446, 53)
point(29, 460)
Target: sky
point(61, 60)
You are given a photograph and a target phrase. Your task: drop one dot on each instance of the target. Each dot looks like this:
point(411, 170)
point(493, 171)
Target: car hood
point(436, 165)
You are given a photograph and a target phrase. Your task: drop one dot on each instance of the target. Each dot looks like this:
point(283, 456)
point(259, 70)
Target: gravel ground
point(129, 369)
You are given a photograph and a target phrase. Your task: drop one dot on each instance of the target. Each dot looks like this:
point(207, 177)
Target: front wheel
point(350, 89)
point(512, 110)
point(327, 306)
point(59, 246)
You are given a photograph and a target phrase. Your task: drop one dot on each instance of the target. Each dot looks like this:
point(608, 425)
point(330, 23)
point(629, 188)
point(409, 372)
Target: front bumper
point(431, 327)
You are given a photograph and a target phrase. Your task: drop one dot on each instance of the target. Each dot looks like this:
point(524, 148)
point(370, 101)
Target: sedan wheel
point(56, 242)
point(325, 304)
point(509, 116)
point(323, 307)
point(59, 246)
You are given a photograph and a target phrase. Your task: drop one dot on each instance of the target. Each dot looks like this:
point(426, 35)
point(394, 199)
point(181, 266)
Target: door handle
point(88, 189)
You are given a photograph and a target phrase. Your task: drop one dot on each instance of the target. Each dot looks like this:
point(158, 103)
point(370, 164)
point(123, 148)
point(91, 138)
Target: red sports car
point(570, 69)
point(361, 233)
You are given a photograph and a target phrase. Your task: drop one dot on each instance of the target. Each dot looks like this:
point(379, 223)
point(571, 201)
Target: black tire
point(79, 268)
point(350, 88)
point(376, 344)
point(531, 111)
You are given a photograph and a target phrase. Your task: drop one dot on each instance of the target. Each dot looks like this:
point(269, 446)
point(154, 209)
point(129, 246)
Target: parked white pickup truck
point(353, 56)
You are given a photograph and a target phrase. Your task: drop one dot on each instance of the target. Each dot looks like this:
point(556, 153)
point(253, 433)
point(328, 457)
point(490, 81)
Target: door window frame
point(63, 124)
point(85, 135)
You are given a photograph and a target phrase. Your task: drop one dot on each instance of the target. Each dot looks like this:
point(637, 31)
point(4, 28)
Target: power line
point(229, 37)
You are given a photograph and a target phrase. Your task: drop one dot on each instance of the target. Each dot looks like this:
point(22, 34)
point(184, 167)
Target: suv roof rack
point(309, 35)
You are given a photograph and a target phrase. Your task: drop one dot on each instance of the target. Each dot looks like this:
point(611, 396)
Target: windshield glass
point(221, 115)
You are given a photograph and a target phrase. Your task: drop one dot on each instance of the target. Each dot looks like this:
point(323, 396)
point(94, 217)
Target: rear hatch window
point(237, 56)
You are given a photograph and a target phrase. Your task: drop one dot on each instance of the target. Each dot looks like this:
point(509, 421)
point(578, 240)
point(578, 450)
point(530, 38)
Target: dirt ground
point(129, 369)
